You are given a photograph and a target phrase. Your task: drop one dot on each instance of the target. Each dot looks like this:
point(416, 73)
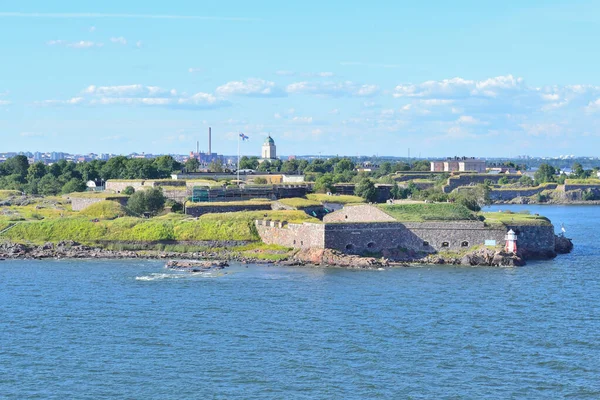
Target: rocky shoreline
point(305, 257)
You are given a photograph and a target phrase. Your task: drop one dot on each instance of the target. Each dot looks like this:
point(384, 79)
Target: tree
point(421, 165)
point(525, 181)
point(260, 181)
point(397, 192)
point(192, 164)
point(166, 165)
point(545, 173)
point(74, 185)
point(473, 197)
point(248, 162)
point(129, 190)
point(504, 180)
point(577, 171)
point(367, 190)
point(18, 165)
point(146, 201)
point(215, 166)
point(36, 171)
point(343, 165)
point(324, 184)
point(114, 168)
point(49, 185)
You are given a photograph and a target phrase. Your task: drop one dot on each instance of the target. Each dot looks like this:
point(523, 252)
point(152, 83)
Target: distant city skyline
point(441, 78)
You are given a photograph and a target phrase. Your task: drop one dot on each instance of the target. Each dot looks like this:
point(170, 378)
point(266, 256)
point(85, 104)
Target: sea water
point(100, 329)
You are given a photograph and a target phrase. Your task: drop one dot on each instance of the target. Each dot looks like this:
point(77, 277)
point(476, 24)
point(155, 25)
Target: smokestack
point(209, 139)
point(197, 147)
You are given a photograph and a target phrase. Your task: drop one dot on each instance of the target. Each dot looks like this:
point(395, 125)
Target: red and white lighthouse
point(511, 242)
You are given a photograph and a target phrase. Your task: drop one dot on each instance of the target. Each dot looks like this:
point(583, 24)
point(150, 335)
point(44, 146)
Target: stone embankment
point(74, 250)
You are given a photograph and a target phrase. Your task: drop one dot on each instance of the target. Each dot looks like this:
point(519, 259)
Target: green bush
point(129, 190)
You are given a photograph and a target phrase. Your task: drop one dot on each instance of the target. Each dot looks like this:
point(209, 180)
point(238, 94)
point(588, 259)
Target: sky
point(440, 78)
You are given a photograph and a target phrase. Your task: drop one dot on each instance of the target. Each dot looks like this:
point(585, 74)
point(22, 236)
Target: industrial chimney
point(197, 147)
point(209, 139)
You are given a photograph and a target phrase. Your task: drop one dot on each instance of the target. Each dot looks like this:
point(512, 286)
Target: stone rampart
point(509, 194)
point(593, 187)
point(299, 236)
point(473, 179)
point(427, 237)
point(197, 211)
point(418, 237)
point(358, 213)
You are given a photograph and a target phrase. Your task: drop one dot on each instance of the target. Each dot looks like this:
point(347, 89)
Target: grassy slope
point(343, 199)
point(96, 195)
point(104, 210)
point(299, 203)
point(230, 226)
point(510, 218)
point(428, 212)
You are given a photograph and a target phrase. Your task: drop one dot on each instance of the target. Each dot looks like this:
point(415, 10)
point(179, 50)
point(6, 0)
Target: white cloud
point(318, 74)
point(31, 134)
point(82, 44)
point(138, 44)
point(335, 111)
point(252, 87)
point(92, 29)
point(119, 40)
point(340, 89)
point(302, 120)
point(70, 102)
point(130, 91)
point(284, 73)
point(467, 119)
point(5, 102)
point(139, 95)
point(194, 70)
point(460, 88)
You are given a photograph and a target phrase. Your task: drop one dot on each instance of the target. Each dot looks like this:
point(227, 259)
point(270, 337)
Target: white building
point(269, 150)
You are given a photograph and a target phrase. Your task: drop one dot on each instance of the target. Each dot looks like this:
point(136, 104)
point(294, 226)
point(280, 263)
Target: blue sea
point(99, 329)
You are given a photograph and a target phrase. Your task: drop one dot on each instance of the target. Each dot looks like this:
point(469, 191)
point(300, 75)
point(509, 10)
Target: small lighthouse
point(511, 242)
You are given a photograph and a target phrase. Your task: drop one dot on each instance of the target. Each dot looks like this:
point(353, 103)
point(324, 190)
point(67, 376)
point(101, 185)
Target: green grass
point(174, 188)
point(428, 212)
point(510, 218)
point(104, 210)
point(229, 226)
point(4, 194)
point(96, 195)
point(591, 181)
point(299, 203)
point(343, 199)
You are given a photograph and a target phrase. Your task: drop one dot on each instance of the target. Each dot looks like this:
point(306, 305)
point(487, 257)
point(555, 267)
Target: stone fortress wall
point(368, 231)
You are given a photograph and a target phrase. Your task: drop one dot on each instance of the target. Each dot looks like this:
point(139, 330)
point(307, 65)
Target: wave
point(156, 276)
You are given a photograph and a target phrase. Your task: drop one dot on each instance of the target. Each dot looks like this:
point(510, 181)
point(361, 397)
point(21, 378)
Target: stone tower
point(268, 149)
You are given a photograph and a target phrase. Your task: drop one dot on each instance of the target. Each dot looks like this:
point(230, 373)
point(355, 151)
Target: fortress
point(365, 229)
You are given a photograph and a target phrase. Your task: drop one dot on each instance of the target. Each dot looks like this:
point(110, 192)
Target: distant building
point(459, 164)
point(269, 150)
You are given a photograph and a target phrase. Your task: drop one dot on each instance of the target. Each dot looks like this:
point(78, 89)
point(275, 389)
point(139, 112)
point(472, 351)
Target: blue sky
point(441, 78)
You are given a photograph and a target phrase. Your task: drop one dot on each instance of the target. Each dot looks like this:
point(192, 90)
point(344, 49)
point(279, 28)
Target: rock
point(562, 245)
point(330, 257)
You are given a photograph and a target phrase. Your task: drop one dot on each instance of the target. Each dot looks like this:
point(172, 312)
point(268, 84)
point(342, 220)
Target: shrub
point(129, 190)
point(260, 181)
point(146, 201)
point(366, 189)
point(104, 210)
